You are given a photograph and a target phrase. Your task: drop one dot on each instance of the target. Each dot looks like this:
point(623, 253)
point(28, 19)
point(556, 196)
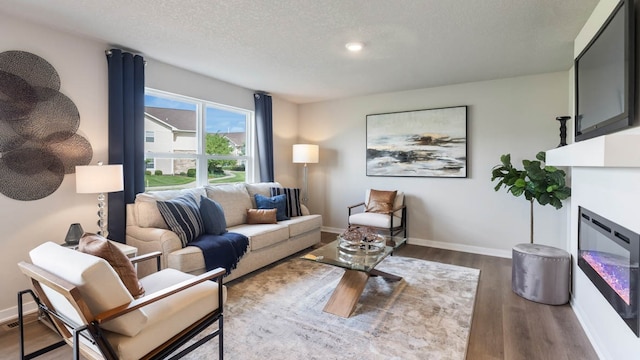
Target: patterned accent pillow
point(381, 201)
point(182, 214)
point(97, 245)
point(261, 216)
point(212, 216)
point(278, 202)
point(293, 200)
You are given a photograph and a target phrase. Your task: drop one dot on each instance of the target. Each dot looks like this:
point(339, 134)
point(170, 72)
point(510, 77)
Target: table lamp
point(305, 154)
point(99, 179)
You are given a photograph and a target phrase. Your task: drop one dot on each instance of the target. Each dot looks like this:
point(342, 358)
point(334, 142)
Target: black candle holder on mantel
point(563, 129)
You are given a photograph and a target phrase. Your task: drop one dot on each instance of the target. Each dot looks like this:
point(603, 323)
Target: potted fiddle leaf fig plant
point(537, 181)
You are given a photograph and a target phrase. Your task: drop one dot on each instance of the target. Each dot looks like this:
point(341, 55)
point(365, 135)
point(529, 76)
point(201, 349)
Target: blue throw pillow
point(293, 200)
point(182, 214)
point(212, 217)
point(278, 202)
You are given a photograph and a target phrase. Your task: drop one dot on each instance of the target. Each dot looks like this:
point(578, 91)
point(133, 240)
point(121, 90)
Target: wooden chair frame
point(90, 328)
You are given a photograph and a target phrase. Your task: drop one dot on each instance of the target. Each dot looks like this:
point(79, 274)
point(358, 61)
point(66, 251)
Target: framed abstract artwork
point(419, 143)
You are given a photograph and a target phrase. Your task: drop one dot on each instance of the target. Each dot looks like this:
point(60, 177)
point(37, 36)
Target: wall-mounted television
point(605, 77)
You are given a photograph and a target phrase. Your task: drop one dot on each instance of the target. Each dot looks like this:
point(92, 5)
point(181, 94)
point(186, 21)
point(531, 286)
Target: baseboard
point(9, 317)
point(461, 247)
point(447, 246)
point(586, 327)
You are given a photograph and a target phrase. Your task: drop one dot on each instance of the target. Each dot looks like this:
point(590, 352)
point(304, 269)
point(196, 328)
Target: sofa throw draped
point(126, 133)
point(222, 250)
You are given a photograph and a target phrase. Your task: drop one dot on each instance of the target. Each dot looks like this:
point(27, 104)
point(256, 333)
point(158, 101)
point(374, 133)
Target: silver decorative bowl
point(366, 245)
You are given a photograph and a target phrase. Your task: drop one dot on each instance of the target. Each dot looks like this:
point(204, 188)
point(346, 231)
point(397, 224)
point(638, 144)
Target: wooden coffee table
point(359, 267)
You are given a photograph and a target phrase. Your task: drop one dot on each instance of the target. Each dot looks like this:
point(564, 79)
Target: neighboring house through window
point(192, 142)
point(149, 136)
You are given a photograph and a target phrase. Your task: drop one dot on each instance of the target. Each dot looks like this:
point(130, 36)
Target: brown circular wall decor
point(38, 124)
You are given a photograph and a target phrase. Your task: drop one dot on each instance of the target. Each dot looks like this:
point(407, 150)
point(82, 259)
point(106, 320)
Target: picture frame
point(418, 143)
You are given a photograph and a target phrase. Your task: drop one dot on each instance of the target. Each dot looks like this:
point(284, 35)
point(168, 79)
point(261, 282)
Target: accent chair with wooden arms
point(95, 313)
point(382, 210)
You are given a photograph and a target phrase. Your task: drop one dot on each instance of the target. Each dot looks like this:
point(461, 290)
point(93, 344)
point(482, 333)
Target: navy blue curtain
point(126, 133)
point(264, 132)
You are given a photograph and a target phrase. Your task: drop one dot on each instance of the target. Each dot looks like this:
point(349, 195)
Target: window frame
point(200, 156)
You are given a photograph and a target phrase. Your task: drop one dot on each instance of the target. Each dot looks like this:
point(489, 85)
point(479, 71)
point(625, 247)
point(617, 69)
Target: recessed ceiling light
point(354, 46)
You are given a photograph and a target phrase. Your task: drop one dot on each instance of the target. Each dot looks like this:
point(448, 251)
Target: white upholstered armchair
point(384, 211)
point(96, 314)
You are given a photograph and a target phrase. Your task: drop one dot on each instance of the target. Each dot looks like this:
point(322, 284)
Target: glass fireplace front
point(608, 254)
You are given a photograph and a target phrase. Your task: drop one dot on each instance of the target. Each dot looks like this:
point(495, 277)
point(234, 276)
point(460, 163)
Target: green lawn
point(238, 176)
point(166, 180)
point(152, 181)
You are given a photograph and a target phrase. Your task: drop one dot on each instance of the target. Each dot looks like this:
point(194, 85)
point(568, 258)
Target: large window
point(195, 142)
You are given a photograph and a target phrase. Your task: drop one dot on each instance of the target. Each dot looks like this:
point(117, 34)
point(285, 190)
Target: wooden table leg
point(346, 295)
point(385, 275)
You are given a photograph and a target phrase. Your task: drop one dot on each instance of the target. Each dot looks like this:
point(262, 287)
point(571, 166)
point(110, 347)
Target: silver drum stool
point(541, 273)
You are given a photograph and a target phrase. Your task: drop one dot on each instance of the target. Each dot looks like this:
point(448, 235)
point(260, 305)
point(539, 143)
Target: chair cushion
point(293, 200)
point(168, 316)
point(374, 219)
point(212, 217)
point(278, 202)
point(98, 283)
point(97, 245)
point(261, 216)
point(182, 214)
point(381, 201)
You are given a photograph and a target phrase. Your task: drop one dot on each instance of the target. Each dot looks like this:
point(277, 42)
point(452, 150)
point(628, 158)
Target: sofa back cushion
point(234, 199)
point(147, 213)
point(98, 283)
point(263, 189)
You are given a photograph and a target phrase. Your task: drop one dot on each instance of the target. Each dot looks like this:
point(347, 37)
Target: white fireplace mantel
point(614, 150)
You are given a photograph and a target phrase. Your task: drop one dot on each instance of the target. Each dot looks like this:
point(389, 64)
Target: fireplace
point(608, 254)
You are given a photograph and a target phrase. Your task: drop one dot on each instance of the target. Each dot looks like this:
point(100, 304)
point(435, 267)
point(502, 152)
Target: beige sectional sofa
point(147, 230)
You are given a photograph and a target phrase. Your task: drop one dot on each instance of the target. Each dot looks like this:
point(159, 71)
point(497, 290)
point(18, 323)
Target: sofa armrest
point(148, 240)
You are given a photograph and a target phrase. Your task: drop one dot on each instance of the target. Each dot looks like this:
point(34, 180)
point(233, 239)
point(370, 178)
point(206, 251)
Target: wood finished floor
point(504, 326)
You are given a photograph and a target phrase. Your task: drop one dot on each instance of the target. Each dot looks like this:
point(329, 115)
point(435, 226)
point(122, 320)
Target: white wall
point(82, 66)
point(614, 194)
point(515, 115)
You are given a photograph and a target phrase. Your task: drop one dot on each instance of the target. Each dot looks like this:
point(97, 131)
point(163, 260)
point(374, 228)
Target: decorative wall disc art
point(38, 124)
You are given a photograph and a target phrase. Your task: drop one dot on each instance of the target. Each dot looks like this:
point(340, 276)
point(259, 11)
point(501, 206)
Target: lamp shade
point(94, 179)
point(305, 153)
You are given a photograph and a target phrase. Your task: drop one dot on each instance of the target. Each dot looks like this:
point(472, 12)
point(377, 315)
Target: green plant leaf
point(542, 156)
point(506, 160)
point(516, 191)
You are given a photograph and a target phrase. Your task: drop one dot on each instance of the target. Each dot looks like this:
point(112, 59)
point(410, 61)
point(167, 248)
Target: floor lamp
point(99, 179)
point(305, 154)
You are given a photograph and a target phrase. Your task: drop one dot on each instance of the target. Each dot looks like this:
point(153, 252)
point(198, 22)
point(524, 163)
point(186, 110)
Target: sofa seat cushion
point(234, 199)
point(263, 235)
point(168, 316)
point(302, 224)
point(188, 259)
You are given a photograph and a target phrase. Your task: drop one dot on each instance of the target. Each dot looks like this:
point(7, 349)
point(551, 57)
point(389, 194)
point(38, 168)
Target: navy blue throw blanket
point(222, 250)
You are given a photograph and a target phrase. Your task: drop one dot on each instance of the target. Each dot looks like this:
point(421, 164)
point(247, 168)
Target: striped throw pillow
point(182, 214)
point(293, 199)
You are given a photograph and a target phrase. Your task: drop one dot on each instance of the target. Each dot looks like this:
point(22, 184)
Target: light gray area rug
point(277, 314)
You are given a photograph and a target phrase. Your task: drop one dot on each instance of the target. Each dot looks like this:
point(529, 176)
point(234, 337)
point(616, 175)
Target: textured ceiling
point(295, 48)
